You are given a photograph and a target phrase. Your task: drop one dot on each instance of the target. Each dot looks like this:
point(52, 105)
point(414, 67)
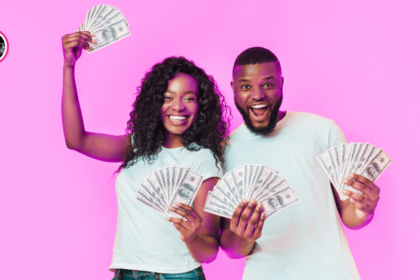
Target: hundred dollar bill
point(153, 181)
point(161, 180)
point(333, 159)
point(238, 180)
point(187, 189)
point(228, 180)
point(117, 16)
point(218, 195)
point(145, 202)
point(255, 171)
point(221, 186)
point(261, 176)
point(353, 166)
point(376, 166)
point(326, 164)
point(278, 184)
point(110, 34)
point(145, 187)
point(214, 209)
point(279, 201)
point(370, 152)
point(99, 19)
point(338, 151)
point(147, 197)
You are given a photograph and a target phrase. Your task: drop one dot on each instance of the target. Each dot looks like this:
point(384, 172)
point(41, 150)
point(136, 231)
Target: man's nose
point(257, 93)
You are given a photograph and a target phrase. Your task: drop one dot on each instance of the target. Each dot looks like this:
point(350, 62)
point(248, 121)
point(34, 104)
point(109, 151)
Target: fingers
point(258, 230)
point(365, 181)
point(362, 207)
point(360, 198)
point(187, 215)
point(367, 191)
point(253, 221)
point(190, 210)
point(81, 39)
point(245, 217)
point(237, 214)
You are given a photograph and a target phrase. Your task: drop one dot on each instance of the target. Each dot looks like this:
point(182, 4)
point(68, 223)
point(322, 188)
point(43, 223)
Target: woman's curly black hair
point(209, 130)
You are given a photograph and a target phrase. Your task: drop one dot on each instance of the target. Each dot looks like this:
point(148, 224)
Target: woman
point(177, 118)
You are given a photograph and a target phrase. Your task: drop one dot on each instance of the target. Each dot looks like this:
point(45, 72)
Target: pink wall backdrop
point(356, 62)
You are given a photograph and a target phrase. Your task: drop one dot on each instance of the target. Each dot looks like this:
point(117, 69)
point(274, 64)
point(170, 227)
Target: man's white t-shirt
point(144, 240)
point(305, 240)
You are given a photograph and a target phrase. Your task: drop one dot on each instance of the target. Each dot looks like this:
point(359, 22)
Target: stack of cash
point(107, 23)
point(257, 182)
point(363, 159)
point(167, 186)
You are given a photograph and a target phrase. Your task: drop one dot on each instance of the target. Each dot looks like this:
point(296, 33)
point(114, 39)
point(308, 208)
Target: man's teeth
point(177, 118)
point(259, 106)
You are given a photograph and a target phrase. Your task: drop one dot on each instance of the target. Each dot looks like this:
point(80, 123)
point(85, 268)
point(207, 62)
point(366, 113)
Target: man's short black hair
point(255, 55)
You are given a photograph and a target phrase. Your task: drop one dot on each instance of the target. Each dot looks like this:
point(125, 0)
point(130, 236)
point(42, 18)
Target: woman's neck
point(172, 141)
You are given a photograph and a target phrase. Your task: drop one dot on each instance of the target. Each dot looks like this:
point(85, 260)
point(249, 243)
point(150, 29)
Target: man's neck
point(281, 115)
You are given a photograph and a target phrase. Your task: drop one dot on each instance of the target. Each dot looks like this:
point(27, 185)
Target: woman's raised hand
point(73, 44)
point(188, 227)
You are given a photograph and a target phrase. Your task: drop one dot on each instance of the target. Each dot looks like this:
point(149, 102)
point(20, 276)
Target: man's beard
point(265, 130)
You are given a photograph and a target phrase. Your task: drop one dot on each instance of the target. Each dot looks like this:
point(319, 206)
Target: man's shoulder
point(311, 118)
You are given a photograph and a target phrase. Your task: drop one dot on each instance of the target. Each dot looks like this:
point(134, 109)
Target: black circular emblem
point(4, 46)
point(192, 179)
point(240, 174)
point(382, 160)
point(120, 29)
point(287, 195)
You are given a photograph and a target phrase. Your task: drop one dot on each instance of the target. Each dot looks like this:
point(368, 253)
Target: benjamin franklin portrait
point(373, 171)
point(186, 191)
point(109, 34)
point(275, 202)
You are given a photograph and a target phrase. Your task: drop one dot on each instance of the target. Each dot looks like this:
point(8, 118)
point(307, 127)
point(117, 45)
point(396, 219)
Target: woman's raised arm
point(96, 145)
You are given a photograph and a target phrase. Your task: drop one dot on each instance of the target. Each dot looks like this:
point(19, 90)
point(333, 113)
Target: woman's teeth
point(177, 118)
point(259, 106)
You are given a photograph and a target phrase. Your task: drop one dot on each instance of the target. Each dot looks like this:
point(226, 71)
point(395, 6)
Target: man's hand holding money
point(244, 228)
point(358, 210)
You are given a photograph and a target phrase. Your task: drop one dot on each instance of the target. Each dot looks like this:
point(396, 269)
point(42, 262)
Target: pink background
point(356, 62)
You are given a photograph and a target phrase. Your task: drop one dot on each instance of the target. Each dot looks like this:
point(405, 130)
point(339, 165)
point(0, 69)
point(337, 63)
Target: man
point(306, 240)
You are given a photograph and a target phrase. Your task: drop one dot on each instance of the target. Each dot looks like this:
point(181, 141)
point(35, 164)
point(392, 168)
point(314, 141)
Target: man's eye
point(268, 85)
point(245, 87)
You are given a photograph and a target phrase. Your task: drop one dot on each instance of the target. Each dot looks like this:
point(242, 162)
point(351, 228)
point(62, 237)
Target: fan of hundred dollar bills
point(363, 159)
point(257, 182)
point(167, 186)
point(107, 23)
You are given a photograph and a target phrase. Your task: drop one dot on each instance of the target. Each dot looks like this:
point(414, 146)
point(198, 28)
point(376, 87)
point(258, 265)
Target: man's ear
point(232, 86)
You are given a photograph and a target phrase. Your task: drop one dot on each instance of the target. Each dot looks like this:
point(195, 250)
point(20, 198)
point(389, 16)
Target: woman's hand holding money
point(189, 227)
point(73, 44)
point(364, 204)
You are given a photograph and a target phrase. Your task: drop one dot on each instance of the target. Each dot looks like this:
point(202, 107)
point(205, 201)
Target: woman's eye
point(167, 98)
point(189, 98)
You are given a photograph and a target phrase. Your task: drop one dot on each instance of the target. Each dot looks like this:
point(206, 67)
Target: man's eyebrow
point(269, 77)
point(244, 80)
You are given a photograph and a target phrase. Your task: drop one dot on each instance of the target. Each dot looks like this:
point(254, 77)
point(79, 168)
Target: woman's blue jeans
point(124, 274)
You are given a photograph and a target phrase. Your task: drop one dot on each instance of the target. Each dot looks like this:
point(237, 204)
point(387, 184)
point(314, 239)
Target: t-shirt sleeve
point(336, 136)
point(205, 164)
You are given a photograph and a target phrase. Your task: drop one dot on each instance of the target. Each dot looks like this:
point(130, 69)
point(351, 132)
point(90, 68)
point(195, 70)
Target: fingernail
point(171, 208)
point(244, 201)
point(178, 204)
point(241, 204)
point(345, 180)
point(167, 219)
point(345, 191)
point(351, 175)
point(93, 41)
point(93, 35)
point(351, 200)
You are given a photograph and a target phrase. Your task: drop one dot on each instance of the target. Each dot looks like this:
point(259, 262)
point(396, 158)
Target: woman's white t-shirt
point(144, 240)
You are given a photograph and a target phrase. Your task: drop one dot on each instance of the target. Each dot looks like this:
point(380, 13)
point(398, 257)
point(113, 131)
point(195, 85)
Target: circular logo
point(287, 195)
point(120, 29)
point(192, 179)
point(4, 46)
point(382, 160)
point(240, 174)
